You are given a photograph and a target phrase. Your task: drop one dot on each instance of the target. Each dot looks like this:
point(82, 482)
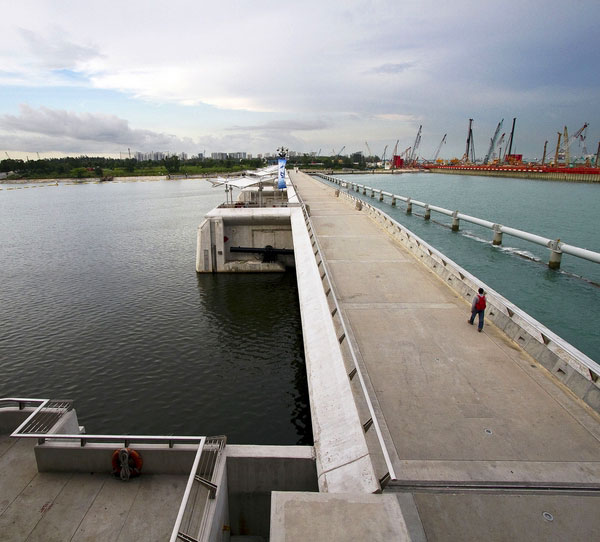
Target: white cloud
point(47, 129)
point(374, 61)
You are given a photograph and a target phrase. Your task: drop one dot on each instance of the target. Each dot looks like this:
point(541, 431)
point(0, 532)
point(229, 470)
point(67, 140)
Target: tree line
point(97, 166)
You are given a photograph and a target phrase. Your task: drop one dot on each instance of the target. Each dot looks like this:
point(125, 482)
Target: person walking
point(478, 307)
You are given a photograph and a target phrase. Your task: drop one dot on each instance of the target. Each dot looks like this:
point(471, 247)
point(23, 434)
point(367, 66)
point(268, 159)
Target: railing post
point(393, 201)
point(455, 221)
point(381, 195)
point(364, 190)
point(497, 235)
point(408, 206)
point(372, 192)
point(427, 212)
point(555, 255)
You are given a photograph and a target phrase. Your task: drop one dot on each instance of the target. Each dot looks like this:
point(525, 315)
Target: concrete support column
point(497, 235)
point(394, 201)
point(455, 221)
point(555, 255)
point(427, 212)
point(408, 207)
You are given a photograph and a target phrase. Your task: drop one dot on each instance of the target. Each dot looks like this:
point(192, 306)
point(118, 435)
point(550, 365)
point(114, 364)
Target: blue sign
point(281, 182)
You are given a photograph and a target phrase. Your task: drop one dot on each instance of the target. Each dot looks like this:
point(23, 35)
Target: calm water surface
point(567, 301)
point(100, 303)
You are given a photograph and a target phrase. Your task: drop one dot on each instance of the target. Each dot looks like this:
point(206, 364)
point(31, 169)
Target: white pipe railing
point(556, 247)
point(186, 494)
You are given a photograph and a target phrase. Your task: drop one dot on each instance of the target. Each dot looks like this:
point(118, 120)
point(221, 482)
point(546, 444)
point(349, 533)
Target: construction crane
point(413, 155)
point(7, 155)
point(340, 152)
point(510, 140)
point(470, 148)
point(368, 149)
point(499, 145)
point(319, 153)
point(544, 154)
point(437, 152)
point(493, 142)
point(383, 157)
point(568, 141)
point(557, 149)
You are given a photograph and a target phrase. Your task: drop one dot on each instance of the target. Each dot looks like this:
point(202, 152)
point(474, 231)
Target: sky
point(102, 78)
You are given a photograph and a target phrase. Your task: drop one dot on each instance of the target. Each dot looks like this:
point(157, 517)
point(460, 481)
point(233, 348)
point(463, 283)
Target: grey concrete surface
point(336, 517)
point(457, 405)
point(53, 507)
point(509, 517)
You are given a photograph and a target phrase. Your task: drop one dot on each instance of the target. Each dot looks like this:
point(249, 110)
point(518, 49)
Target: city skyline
point(102, 79)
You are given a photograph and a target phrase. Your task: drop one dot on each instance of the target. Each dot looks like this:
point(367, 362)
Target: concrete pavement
point(458, 408)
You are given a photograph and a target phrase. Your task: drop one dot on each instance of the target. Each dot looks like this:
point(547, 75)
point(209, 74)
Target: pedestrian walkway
point(476, 429)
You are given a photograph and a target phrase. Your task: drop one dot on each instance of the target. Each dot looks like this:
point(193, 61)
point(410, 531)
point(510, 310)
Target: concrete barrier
point(342, 456)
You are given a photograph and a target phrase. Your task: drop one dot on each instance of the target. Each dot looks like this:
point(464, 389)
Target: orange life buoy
point(126, 463)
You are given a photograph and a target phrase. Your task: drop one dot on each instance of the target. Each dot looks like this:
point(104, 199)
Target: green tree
point(172, 164)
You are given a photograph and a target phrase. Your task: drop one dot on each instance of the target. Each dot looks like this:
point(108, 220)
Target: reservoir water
point(567, 301)
point(100, 303)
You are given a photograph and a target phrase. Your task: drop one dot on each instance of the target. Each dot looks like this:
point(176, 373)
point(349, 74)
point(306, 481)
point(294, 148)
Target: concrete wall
point(224, 228)
point(572, 367)
point(253, 472)
point(343, 460)
point(70, 456)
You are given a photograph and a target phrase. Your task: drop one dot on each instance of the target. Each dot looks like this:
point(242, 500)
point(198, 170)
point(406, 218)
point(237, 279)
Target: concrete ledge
point(521, 473)
point(343, 462)
point(339, 517)
point(63, 456)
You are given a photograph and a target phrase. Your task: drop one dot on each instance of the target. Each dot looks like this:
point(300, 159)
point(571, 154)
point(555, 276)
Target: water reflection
point(256, 322)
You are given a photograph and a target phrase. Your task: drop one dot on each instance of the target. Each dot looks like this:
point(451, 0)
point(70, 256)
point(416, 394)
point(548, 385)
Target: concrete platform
point(456, 406)
point(49, 507)
point(342, 517)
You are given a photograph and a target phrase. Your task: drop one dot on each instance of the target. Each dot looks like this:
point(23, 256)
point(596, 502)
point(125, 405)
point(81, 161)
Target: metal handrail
point(553, 244)
point(186, 494)
point(374, 419)
point(207, 466)
point(83, 437)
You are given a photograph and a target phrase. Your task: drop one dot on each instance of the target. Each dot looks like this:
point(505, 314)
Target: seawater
point(100, 303)
point(567, 300)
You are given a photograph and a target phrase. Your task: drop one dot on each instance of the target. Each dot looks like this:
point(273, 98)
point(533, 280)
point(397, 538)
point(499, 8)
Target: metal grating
point(42, 421)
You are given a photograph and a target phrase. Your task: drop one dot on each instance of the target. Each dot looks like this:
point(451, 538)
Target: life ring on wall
point(126, 463)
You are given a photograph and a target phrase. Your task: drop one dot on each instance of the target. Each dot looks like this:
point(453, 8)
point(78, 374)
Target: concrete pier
point(485, 442)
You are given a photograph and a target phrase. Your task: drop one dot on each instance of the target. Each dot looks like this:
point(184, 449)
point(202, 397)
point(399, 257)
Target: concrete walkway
point(458, 408)
point(57, 507)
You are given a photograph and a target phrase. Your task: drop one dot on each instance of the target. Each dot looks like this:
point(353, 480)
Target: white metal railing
point(556, 246)
point(201, 488)
point(356, 371)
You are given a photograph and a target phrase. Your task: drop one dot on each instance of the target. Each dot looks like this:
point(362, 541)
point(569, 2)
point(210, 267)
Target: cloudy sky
point(82, 77)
